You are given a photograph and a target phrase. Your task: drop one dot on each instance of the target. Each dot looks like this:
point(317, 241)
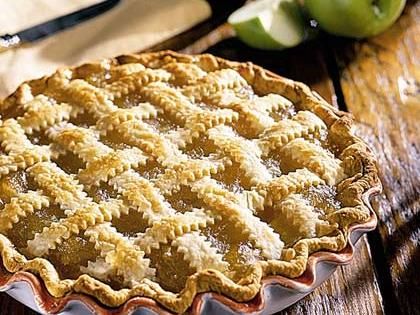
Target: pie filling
point(146, 173)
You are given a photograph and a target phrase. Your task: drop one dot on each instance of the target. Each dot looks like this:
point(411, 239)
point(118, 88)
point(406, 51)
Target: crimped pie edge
point(359, 155)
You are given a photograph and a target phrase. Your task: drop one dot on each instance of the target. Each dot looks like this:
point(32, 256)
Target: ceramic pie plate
point(276, 292)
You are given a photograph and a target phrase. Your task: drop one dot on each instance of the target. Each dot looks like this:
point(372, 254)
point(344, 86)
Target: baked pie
point(165, 175)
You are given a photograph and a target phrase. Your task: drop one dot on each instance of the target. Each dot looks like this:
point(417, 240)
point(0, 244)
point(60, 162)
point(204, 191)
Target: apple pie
point(165, 175)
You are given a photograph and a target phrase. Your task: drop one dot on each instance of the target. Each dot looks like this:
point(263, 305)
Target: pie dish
point(164, 175)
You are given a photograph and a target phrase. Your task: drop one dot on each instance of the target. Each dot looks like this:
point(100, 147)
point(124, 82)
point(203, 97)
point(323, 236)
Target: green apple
point(269, 24)
point(355, 18)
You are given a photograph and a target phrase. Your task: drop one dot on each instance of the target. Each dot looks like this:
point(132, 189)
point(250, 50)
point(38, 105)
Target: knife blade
point(34, 33)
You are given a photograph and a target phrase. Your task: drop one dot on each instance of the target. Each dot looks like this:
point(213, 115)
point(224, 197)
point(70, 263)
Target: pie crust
point(165, 175)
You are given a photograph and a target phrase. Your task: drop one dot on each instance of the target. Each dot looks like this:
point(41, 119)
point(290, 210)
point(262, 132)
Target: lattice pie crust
point(165, 175)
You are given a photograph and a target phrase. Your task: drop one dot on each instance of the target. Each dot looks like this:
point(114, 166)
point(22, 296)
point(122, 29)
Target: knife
point(31, 34)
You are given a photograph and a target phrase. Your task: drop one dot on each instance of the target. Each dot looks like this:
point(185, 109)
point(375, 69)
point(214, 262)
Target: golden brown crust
point(357, 162)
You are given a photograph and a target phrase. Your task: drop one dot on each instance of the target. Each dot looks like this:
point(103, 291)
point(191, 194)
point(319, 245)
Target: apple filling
point(129, 100)
point(235, 247)
point(72, 254)
point(232, 178)
point(200, 147)
point(293, 216)
point(84, 119)
point(184, 200)
point(69, 162)
point(131, 223)
point(14, 183)
point(172, 271)
point(161, 124)
point(33, 223)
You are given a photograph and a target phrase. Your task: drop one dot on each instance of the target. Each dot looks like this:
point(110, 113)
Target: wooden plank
point(380, 79)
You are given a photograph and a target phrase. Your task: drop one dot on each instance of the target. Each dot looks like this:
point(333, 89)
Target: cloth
point(132, 25)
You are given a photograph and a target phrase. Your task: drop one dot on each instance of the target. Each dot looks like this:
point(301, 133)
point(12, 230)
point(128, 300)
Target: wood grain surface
point(378, 80)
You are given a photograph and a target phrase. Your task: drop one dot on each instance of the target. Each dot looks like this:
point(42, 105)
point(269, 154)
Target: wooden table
point(378, 81)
